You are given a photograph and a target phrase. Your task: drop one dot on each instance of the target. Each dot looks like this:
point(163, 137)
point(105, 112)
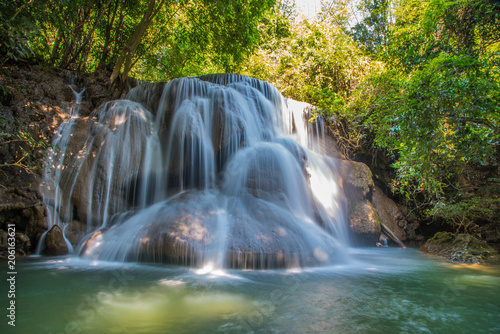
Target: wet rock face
point(365, 223)
point(149, 95)
point(369, 206)
point(22, 243)
point(55, 243)
point(390, 214)
point(26, 211)
point(357, 183)
point(191, 229)
point(35, 101)
point(96, 166)
point(75, 232)
point(357, 180)
point(459, 248)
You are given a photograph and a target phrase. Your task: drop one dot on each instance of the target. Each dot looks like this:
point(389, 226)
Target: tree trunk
point(107, 40)
point(91, 33)
point(55, 48)
point(129, 49)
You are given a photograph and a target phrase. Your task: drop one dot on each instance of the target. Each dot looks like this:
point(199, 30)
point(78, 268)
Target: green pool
point(376, 291)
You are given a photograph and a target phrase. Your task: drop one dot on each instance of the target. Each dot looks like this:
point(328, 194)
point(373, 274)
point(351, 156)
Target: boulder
point(390, 214)
point(191, 229)
point(365, 224)
point(356, 180)
point(55, 243)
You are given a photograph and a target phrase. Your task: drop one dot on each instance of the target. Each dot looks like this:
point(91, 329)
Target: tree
point(17, 27)
point(129, 49)
point(315, 62)
point(371, 32)
point(121, 36)
point(436, 106)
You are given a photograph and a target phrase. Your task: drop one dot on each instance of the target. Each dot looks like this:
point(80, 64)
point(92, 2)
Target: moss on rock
point(460, 248)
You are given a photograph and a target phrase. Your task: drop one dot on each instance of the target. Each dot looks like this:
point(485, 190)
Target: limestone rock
point(149, 95)
point(357, 179)
point(390, 214)
point(23, 243)
point(92, 163)
point(190, 228)
point(55, 243)
point(365, 224)
point(35, 216)
point(26, 211)
point(76, 230)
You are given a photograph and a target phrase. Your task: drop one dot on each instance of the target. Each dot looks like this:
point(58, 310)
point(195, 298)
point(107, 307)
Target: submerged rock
point(459, 248)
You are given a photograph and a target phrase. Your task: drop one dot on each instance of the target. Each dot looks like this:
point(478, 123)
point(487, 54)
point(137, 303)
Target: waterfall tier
point(217, 170)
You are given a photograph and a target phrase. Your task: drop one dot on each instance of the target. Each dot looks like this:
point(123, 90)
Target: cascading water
point(217, 170)
point(54, 168)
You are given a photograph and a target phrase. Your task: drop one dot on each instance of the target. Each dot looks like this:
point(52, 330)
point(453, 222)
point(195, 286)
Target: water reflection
point(383, 291)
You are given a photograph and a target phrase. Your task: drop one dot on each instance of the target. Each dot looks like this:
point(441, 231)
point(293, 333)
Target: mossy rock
point(442, 238)
point(357, 180)
point(460, 248)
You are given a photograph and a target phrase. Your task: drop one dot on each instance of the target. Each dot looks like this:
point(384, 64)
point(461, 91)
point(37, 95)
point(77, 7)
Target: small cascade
point(216, 171)
point(53, 168)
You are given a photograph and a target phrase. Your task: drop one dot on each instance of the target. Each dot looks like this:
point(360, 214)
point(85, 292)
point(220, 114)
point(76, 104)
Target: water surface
point(378, 291)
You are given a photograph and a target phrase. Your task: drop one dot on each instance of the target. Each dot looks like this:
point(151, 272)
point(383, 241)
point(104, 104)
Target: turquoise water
point(377, 291)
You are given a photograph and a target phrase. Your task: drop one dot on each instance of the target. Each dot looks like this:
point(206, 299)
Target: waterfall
point(53, 168)
point(217, 170)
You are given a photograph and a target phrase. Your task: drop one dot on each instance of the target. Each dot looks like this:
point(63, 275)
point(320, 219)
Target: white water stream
point(224, 172)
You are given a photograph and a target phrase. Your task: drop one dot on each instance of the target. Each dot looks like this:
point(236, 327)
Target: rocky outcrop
point(390, 214)
point(99, 168)
point(365, 223)
point(369, 207)
point(357, 180)
point(460, 248)
point(25, 211)
point(34, 101)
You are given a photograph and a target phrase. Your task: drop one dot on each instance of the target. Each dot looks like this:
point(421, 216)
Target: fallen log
point(392, 235)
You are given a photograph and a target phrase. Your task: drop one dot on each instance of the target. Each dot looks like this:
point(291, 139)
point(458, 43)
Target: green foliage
point(206, 37)
point(161, 39)
point(464, 215)
point(371, 32)
point(17, 28)
point(436, 106)
point(422, 30)
point(315, 62)
point(443, 117)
